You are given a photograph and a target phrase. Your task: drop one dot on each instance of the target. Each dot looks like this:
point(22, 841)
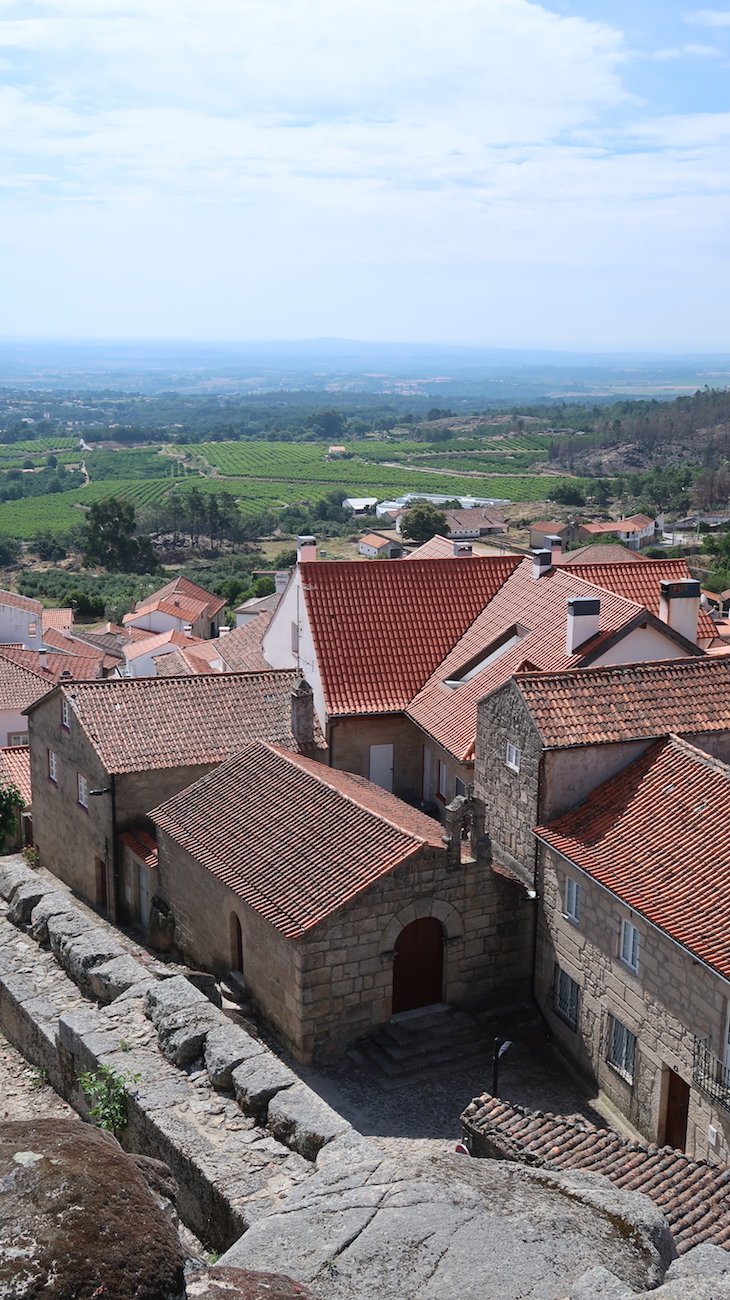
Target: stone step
point(412, 1049)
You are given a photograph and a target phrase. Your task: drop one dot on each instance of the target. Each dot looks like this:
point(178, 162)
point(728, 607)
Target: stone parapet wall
point(237, 1127)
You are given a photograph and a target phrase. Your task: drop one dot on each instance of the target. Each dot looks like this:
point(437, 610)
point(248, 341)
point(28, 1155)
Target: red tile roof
point(693, 1196)
point(641, 583)
point(59, 618)
point(380, 629)
point(675, 876)
point(294, 839)
point(603, 553)
point(536, 610)
point(20, 685)
point(141, 844)
point(184, 589)
point(15, 767)
point(436, 548)
point(240, 649)
point(595, 705)
point(143, 723)
point(16, 601)
point(157, 641)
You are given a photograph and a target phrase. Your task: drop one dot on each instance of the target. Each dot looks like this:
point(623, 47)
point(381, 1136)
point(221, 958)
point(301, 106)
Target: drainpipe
point(536, 880)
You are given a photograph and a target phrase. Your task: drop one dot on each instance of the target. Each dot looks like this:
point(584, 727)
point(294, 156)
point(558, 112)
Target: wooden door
point(675, 1124)
point(418, 968)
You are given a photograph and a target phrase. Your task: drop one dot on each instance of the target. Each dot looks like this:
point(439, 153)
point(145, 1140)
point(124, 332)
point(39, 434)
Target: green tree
point(568, 494)
point(10, 801)
point(423, 521)
point(110, 541)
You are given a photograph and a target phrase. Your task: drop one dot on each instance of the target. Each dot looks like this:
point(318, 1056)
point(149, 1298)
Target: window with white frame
point(443, 785)
point(52, 765)
point(572, 899)
point(513, 756)
point(621, 1049)
point(566, 993)
point(82, 790)
point(18, 739)
point(65, 713)
point(630, 945)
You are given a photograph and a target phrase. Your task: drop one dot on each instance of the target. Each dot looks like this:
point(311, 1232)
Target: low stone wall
point(238, 1129)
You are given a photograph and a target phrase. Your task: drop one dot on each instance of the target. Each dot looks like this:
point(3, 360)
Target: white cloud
point(686, 51)
point(710, 17)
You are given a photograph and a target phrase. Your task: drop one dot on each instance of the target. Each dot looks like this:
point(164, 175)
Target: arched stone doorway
point(418, 965)
point(236, 944)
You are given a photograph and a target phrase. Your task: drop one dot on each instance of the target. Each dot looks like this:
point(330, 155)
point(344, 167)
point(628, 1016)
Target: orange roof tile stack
point(381, 629)
point(144, 723)
point(693, 1196)
point(596, 705)
point(294, 839)
point(675, 876)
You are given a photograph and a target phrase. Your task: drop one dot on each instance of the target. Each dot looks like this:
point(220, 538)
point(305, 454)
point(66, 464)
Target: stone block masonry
point(87, 1001)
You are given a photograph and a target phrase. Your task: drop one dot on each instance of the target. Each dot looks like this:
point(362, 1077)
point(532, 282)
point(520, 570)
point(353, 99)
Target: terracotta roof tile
point(17, 601)
point(295, 839)
point(641, 583)
point(52, 667)
point(59, 618)
point(694, 1196)
point(381, 629)
point(174, 664)
point(21, 684)
point(141, 844)
point(603, 553)
point(436, 548)
point(183, 589)
point(240, 649)
point(535, 611)
point(15, 767)
point(157, 641)
point(153, 722)
point(597, 705)
point(673, 876)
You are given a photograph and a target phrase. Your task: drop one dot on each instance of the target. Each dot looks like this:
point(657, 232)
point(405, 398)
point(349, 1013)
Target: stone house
point(179, 606)
point(545, 740)
point(633, 945)
point(103, 753)
point(339, 904)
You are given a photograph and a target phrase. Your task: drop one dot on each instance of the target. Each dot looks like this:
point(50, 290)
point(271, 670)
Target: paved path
point(24, 1094)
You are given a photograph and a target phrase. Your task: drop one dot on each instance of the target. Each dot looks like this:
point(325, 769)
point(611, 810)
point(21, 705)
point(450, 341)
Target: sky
point(493, 172)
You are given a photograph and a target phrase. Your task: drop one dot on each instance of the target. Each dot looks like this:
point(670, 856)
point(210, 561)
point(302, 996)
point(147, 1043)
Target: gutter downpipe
point(536, 882)
point(115, 853)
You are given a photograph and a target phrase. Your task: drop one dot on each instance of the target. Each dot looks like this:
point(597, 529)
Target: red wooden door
point(675, 1129)
point(418, 968)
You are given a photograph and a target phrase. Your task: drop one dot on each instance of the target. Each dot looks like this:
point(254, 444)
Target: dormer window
point(496, 650)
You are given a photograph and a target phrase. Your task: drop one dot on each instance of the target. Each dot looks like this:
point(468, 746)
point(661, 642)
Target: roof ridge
point(699, 756)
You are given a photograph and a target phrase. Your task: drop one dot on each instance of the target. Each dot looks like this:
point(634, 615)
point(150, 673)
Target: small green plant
point(38, 1077)
point(124, 1045)
point(105, 1090)
point(32, 856)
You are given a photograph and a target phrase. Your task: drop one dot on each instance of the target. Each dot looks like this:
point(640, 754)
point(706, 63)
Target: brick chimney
point(556, 547)
point(302, 714)
point(541, 562)
point(306, 549)
point(462, 548)
point(679, 606)
point(583, 617)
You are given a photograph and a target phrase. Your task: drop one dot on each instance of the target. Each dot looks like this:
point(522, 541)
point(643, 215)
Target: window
point(295, 638)
point(621, 1053)
point(460, 788)
point(82, 790)
point(52, 765)
point(565, 997)
point(630, 945)
point(513, 756)
point(16, 739)
point(572, 900)
point(65, 713)
point(443, 779)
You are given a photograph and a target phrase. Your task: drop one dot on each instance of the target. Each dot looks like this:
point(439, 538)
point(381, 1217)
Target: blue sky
point(498, 172)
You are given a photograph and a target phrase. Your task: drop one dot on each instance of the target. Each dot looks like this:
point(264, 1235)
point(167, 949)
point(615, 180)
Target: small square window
point(572, 899)
point(630, 945)
point(513, 756)
point(566, 992)
point(621, 1049)
point(52, 765)
point(82, 790)
point(65, 713)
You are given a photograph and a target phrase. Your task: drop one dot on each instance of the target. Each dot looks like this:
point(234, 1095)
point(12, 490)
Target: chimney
point(541, 562)
point(280, 580)
point(679, 606)
point(583, 616)
point(462, 548)
point(302, 714)
point(306, 549)
point(42, 660)
point(187, 629)
point(556, 547)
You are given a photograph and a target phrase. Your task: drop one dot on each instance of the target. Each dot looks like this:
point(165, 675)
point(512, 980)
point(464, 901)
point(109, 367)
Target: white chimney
point(462, 548)
point(584, 614)
point(541, 562)
point(188, 629)
point(280, 580)
point(42, 660)
point(306, 549)
point(679, 606)
point(556, 547)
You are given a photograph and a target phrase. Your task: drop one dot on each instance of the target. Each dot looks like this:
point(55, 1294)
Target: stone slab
point(226, 1047)
point(300, 1119)
point(168, 996)
point(258, 1080)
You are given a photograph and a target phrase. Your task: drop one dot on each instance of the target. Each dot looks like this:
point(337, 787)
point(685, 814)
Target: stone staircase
point(425, 1044)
